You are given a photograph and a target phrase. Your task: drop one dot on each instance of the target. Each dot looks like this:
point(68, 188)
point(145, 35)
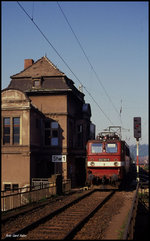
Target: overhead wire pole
point(63, 60)
point(88, 60)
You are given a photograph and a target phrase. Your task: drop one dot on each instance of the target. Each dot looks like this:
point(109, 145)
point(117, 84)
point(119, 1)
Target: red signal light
point(137, 127)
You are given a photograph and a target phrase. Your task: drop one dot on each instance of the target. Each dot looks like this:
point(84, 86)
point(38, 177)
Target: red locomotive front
point(107, 158)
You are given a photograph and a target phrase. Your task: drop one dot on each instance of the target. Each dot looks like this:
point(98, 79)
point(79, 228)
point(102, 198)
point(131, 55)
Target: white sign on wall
point(58, 158)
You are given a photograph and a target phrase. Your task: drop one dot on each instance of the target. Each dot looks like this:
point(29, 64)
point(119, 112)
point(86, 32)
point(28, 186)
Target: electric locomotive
point(108, 159)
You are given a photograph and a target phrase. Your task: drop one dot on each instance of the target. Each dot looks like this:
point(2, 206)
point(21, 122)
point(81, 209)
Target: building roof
point(46, 84)
point(42, 67)
point(51, 79)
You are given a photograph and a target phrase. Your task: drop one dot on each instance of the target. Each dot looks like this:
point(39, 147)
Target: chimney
point(28, 62)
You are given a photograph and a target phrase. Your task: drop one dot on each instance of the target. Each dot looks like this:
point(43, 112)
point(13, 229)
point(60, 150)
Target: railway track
point(66, 221)
point(19, 219)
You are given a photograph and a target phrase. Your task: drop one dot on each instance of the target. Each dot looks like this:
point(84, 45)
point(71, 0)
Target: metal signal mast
point(137, 135)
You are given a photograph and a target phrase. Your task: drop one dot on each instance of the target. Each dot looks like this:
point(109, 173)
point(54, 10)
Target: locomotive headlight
point(92, 164)
point(115, 164)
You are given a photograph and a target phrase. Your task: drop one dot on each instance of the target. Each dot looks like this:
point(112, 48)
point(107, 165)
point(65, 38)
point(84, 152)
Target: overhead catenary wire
point(63, 61)
point(32, 9)
point(97, 77)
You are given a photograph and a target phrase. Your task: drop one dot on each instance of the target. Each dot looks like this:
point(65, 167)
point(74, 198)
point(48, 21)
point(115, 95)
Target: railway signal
point(137, 135)
point(137, 127)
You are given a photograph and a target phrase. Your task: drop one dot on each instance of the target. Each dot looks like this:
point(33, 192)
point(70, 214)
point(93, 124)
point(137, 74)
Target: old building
point(54, 125)
point(22, 128)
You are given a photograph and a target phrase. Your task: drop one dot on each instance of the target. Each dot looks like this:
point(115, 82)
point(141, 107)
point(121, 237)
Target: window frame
point(54, 137)
point(3, 130)
point(7, 185)
point(12, 133)
point(15, 186)
point(52, 130)
point(36, 83)
point(15, 125)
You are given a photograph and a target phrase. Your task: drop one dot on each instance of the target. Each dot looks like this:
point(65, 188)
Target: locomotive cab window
point(96, 148)
point(111, 147)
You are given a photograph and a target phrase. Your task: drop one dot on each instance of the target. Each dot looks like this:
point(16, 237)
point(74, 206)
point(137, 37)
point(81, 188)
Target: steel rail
point(33, 206)
point(77, 228)
point(33, 225)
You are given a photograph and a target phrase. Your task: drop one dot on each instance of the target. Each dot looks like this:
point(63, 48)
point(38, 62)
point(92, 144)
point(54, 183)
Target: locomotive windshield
point(104, 147)
point(96, 147)
point(111, 147)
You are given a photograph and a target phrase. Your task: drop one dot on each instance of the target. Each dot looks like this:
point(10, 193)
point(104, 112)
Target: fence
point(23, 196)
point(129, 228)
point(144, 194)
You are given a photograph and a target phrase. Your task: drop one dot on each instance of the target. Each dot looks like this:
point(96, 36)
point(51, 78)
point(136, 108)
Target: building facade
point(46, 125)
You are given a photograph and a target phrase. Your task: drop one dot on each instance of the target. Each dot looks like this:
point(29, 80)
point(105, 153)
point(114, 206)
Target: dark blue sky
point(114, 36)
